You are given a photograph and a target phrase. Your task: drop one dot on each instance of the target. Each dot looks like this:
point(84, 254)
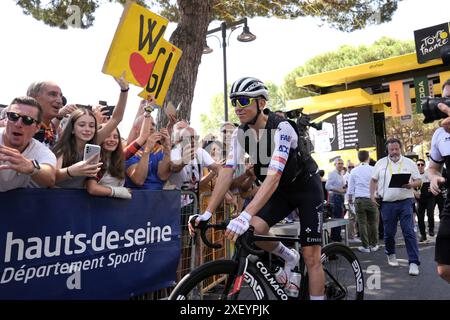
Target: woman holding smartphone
point(81, 129)
point(110, 179)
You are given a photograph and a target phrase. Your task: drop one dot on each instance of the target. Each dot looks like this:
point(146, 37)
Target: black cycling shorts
point(308, 198)
point(442, 249)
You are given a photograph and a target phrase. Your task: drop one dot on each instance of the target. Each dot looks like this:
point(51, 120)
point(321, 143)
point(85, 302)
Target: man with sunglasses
point(287, 182)
point(24, 161)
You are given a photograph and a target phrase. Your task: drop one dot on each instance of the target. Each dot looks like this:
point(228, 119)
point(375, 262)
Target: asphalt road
point(384, 282)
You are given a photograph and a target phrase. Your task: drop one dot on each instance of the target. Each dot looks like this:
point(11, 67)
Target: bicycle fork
point(237, 280)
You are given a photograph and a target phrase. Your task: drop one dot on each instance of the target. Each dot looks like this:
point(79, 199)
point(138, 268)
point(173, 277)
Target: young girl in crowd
point(111, 178)
point(81, 128)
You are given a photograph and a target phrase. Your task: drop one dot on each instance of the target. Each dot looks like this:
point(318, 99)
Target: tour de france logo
point(434, 42)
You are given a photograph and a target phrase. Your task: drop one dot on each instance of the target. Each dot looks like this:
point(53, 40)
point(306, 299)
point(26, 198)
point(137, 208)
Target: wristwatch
point(36, 167)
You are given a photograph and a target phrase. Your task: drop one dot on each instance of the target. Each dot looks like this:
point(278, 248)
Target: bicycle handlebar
point(245, 240)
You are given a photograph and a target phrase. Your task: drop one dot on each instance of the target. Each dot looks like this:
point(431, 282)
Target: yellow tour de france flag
point(136, 45)
point(397, 95)
point(159, 81)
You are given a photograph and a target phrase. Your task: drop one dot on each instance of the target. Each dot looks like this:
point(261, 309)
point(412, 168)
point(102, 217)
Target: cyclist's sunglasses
point(243, 102)
point(26, 120)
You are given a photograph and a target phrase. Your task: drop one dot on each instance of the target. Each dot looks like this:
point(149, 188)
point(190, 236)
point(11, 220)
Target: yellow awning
point(332, 101)
point(368, 70)
point(346, 99)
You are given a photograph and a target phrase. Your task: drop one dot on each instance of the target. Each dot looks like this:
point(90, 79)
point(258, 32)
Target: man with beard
point(397, 202)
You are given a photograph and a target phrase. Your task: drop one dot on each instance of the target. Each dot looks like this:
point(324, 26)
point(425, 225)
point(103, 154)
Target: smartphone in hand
point(170, 110)
point(105, 106)
point(91, 150)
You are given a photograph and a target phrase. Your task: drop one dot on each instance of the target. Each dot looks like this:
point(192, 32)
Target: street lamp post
point(245, 36)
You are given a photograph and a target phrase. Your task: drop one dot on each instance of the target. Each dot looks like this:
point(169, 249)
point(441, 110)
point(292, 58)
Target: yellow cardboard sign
point(166, 63)
point(136, 45)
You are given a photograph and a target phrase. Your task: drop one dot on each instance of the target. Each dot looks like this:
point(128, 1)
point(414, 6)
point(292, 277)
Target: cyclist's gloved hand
point(238, 226)
point(203, 217)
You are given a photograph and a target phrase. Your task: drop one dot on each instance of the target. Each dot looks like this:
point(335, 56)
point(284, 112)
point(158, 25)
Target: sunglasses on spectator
point(26, 120)
point(421, 164)
point(243, 102)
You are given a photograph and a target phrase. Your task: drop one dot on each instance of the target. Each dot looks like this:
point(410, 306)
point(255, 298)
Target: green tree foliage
point(212, 120)
point(415, 137)
point(193, 18)
point(276, 98)
point(344, 56)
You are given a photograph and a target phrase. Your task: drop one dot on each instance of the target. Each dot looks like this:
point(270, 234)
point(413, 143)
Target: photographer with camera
point(434, 109)
point(288, 182)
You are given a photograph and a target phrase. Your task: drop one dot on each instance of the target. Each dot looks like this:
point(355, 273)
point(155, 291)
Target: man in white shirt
point(336, 188)
point(350, 207)
point(24, 161)
point(366, 210)
point(397, 202)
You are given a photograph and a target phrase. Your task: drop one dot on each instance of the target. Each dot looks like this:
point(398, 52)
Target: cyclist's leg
point(311, 255)
point(275, 210)
point(310, 204)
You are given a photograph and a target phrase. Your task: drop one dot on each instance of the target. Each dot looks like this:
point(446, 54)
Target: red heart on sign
point(140, 68)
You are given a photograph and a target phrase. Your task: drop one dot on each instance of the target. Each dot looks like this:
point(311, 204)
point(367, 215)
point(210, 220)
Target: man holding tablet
point(393, 179)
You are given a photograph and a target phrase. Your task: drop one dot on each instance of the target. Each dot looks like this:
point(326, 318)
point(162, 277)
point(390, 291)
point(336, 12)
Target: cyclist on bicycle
point(288, 183)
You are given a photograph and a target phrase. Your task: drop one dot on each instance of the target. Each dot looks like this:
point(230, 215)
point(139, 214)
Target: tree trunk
point(189, 36)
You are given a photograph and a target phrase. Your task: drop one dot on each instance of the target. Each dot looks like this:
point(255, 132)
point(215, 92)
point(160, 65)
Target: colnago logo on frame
point(273, 283)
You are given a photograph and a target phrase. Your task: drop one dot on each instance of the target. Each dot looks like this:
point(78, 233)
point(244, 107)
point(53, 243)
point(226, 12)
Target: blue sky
point(74, 58)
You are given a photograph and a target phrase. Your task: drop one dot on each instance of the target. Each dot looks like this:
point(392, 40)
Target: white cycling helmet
point(249, 87)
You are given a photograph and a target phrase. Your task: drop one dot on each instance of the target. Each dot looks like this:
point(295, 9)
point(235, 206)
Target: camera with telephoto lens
point(303, 120)
point(430, 108)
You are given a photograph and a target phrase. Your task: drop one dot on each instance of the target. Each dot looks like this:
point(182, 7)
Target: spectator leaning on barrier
point(110, 179)
point(149, 168)
point(440, 155)
point(82, 128)
point(366, 211)
point(24, 162)
point(397, 202)
point(336, 188)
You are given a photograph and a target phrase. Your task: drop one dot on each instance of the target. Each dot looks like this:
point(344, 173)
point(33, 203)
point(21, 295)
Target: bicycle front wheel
point(215, 280)
point(343, 273)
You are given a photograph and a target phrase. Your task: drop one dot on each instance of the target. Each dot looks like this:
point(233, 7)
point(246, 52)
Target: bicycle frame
point(246, 266)
point(242, 255)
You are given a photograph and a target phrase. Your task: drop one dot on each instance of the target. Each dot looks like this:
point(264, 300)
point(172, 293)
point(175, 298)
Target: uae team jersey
point(284, 140)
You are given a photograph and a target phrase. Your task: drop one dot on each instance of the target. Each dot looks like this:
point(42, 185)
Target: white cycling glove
point(202, 217)
point(120, 192)
point(240, 224)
